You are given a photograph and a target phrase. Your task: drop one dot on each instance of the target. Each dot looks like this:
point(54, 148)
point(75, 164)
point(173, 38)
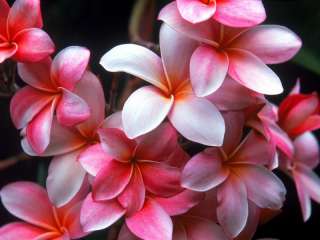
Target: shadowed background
point(100, 25)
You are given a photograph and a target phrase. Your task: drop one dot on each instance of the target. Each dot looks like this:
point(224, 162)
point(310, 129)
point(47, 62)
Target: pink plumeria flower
point(50, 91)
point(171, 95)
point(237, 172)
point(240, 53)
point(30, 203)
point(21, 37)
point(66, 174)
point(299, 113)
point(236, 13)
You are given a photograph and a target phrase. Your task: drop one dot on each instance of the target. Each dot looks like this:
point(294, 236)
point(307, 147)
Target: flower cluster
point(134, 166)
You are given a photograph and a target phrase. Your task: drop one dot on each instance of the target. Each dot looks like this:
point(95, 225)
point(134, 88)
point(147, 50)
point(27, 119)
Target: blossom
point(50, 90)
point(236, 13)
point(237, 171)
point(240, 53)
point(30, 203)
point(66, 144)
point(171, 95)
point(21, 36)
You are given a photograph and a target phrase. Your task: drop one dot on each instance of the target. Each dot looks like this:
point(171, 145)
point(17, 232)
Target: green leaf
point(309, 60)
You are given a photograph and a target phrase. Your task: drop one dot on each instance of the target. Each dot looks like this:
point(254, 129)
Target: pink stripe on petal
point(99, 215)
point(7, 51)
point(240, 13)
point(251, 72)
point(312, 123)
point(196, 11)
point(151, 223)
point(33, 45)
point(144, 110)
point(29, 202)
point(19, 230)
point(69, 65)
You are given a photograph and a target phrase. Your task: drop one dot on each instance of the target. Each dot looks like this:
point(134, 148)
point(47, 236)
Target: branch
point(6, 163)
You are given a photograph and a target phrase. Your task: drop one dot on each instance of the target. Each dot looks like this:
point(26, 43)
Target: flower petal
point(170, 178)
point(271, 43)
point(202, 32)
point(240, 13)
point(99, 215)
point(204, 171)
point(66, 171)
point(72, 109)
point(38, 131)
point(33, 45)
point(111, 180)
point(26, 104)
point(93, 158)
point(19, 230)
point(306, 149)
point(69, 66)
point(176, 50)
point(208, 69)
point(144, 110)
point(29, 202)
point(263, 187)
point(138, 61)
point(232, 210)
point(7, 51)
point(198, 120)
point(151, 223)
point(251, 72)
point(24, 14)
point(4, 11)
point(133, 196)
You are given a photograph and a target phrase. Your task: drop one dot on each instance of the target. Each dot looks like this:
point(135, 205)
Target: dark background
point(101, 24)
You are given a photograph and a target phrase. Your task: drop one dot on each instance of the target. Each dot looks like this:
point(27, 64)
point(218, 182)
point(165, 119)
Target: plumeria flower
point(66, 144)
point(21, 37)
point(240, 53)
point(237, 171)
point(171, 95)
point(236, 13)
point(50, 91)
point(30, 203)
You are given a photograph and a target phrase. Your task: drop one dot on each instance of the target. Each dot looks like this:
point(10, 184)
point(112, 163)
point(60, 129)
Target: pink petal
point(7, 51)
point(264, 188)
point(90, 89)
point(181, 203)
point(208, 69)
point(149, 146)
point(69, 66)
point(281, 139)
point(198, 120)
point(138, 61)
point(204, 171)
point(251, 72)
point(202, 32)
point(307, 150)
point(196, 11)
point(151, 223)
point(170, 178)
point(29, 202)
point(176, 50)
point(66, 171)
point(111, 180)
point(19, 230)
point(26, 104)
point(234, 96)
point(24, 14)
point(113, 121)
point(271, 43)
point(133, 196)
point(232, 210)
point(201, 228)
point(116, 144)
point(93, 158)
point(72, 109)
point(33, 45)
point(240, 13)
point(99, 215)
point(144, 110)
point(4, 11)
point(39, 129)
point(252, 223)
point(310, 124)
point(37, 74)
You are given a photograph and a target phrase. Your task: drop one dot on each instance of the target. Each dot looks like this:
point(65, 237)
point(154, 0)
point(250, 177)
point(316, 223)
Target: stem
point(6, 163)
